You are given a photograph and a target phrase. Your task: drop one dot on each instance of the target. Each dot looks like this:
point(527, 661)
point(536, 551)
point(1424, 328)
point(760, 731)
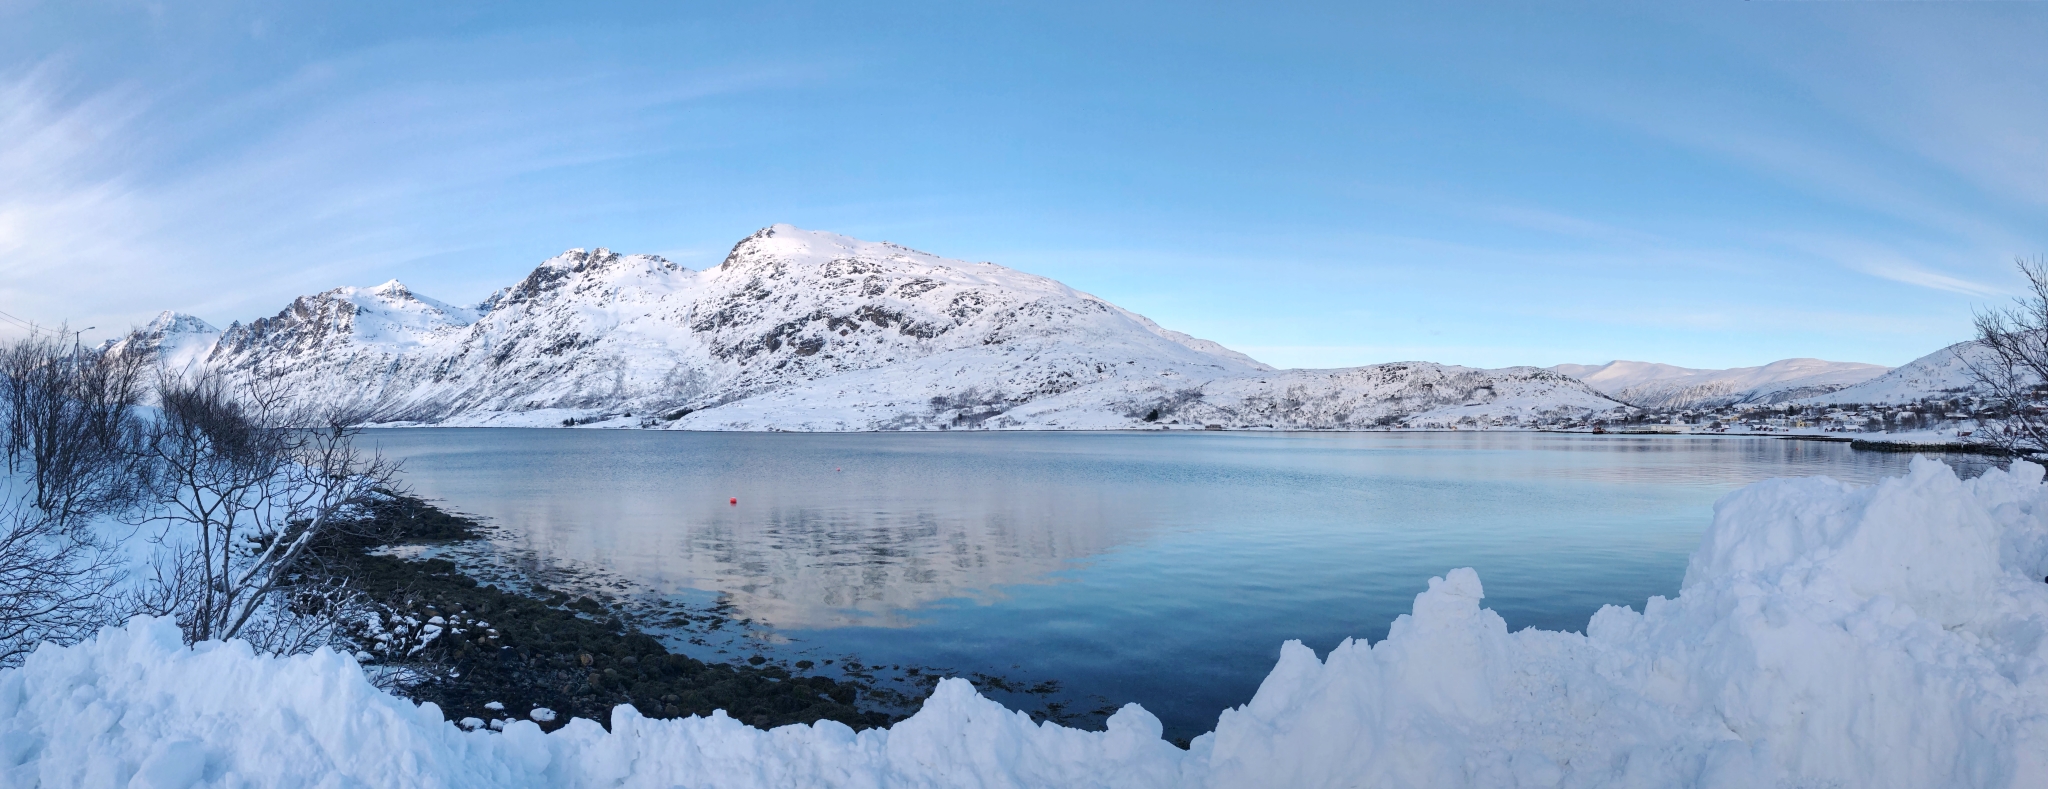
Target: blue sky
point(1704, 184)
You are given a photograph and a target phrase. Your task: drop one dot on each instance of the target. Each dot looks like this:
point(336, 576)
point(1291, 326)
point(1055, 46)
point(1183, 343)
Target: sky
point(1708, 184)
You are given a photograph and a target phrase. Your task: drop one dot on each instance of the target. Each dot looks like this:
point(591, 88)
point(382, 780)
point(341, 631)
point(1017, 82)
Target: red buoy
point(734, 501)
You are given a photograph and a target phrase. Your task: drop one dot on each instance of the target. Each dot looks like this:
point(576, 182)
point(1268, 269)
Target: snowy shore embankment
point(1826, 635)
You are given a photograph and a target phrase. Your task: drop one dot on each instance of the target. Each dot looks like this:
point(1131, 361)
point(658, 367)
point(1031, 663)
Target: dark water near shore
point(1159, 568)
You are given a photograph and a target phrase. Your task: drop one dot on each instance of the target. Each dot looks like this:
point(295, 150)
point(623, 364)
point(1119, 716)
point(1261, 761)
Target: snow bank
point(135, 708)
point(1826, 635)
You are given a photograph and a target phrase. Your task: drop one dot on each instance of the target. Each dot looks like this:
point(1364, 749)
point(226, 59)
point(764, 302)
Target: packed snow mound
point(1894, 635)
point(135, 708)
point(1825, 635)
point(794, 330)
point(1651, 385)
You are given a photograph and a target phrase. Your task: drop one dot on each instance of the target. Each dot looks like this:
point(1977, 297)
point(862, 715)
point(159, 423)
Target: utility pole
point(77, 342)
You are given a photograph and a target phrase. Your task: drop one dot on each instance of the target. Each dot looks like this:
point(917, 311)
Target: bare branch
point(249, 487)
point(2008, 364)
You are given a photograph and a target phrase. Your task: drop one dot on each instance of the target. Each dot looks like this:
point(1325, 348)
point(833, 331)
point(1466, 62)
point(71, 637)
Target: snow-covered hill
point(1943, 372)
point(803, 330)
point(1650, 385)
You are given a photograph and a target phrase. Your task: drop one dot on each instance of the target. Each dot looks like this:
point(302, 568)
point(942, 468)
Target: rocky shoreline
point(486, 654)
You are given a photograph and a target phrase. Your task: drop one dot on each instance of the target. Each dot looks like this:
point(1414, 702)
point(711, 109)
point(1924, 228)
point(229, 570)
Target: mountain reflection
point(1160, 568)
point(838, 530)
point(827, 533)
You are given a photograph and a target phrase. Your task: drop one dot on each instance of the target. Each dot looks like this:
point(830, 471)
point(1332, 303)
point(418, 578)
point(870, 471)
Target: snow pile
point(1826, 635)
point(135, 708)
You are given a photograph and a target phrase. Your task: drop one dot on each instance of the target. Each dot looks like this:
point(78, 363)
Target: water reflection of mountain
point(820, 554)
point(871, 529)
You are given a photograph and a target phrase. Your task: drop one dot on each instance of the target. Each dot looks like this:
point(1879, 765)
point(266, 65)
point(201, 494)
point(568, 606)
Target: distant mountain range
point(810, 331)
point(1663, 386)
point(803, 330)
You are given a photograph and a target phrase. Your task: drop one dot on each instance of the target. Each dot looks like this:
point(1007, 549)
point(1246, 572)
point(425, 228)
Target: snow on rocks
point(1894, 635)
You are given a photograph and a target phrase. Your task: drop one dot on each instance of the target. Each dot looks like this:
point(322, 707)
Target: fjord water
point(1162, 568)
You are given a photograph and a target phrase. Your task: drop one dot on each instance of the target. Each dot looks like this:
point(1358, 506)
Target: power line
point(30, 325)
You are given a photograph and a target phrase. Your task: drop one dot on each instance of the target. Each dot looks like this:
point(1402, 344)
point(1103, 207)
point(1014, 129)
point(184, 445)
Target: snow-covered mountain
point(176, 340)
point(1944, 372)
point(1651, 385)
point(803, 330)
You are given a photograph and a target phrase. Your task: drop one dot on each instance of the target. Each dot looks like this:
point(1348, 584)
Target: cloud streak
point(327, 174)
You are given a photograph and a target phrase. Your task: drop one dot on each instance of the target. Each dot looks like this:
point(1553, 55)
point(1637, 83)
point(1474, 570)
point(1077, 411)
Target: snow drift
point(1894, 635)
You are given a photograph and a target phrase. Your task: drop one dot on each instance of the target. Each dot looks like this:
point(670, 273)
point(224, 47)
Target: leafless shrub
point(245, 491)
point(69, 436)
point(55, 583)
point(71, 425)
point(2013, 372)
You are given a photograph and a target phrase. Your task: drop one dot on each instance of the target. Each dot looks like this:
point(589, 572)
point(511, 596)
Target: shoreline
point(463, 642)
point(1867, 444)
point(442, 636)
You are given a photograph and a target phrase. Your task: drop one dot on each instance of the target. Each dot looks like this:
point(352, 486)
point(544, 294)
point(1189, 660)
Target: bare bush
point(56, 584)
point(246, 491)
point(71, 425)
point(2012, 370)
point(68, 432)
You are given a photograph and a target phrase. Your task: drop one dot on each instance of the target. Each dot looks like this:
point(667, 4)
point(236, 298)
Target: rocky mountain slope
point(1663, 386)
point(803, 330)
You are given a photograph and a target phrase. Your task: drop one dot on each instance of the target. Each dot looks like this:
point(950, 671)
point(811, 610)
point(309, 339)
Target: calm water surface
point(1161, 568)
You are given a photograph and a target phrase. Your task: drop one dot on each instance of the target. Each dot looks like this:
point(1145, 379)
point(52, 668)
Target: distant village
point(1949, 419)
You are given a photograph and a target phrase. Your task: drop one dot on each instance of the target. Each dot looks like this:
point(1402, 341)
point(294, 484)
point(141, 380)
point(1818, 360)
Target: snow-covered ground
point(803, 330)
point(1894, 635)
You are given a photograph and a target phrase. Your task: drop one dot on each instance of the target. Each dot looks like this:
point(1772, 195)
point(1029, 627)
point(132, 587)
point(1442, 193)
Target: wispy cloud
point(1914, 275)
point(1953, 90)
point(113, 208)
point(1934, 141)
point(1891, 263)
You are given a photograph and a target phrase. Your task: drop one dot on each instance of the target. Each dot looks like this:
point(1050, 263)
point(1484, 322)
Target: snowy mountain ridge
point(1942, 372)
point(805, 330)
point(1664, 386)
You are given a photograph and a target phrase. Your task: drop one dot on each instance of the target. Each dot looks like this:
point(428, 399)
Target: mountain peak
point(791, 244)
point(173, 322)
